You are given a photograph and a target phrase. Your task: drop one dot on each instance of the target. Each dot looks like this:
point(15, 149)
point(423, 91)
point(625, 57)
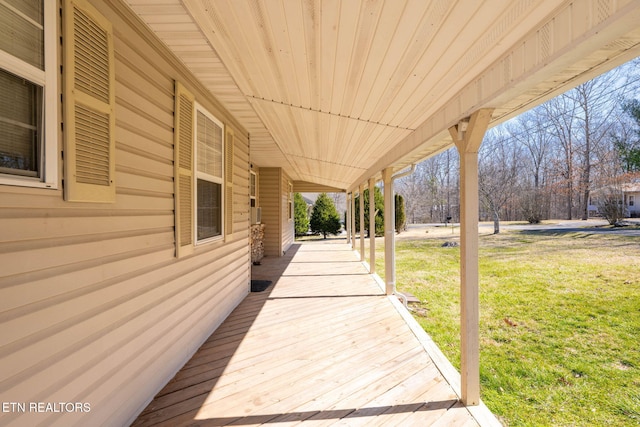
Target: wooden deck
point(321, 346)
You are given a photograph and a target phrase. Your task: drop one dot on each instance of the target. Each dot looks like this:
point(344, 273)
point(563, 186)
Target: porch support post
point(389, 233)
point(347, 223)
point(361, 199)
point(467, 136)
point(353, 221)
point(372, 227)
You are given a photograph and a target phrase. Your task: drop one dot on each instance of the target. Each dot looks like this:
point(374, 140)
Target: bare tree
point(610, 203)
point(431, 192)
point(498, 169)
point(561, 115)
point(597, 103)
point(545, 162)
point(412, 187)
point(529, 130)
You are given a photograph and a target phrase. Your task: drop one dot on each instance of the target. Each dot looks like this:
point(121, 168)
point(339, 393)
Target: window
point(28, 93)
point(632, 200)
point(209, 176)
point(203, 174)
point(252, 189)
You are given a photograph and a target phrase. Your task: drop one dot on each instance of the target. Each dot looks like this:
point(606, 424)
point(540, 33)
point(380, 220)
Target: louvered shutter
point(183, 169)
point(228, 173)
point(89, 120)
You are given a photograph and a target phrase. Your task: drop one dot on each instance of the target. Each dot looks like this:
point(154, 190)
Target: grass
point(559, 322)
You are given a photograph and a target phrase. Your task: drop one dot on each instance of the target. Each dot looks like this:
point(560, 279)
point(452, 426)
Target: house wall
point(270, 188)
point(288, 230)
point(274, 200)
point(634, 210)
point(94, 305)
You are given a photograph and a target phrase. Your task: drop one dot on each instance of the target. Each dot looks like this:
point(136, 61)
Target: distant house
point(631, 196)
point(628, 195)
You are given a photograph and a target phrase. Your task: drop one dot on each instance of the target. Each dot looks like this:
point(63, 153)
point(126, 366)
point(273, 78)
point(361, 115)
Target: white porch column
point(389, 233)
point(467, 136)
point(347, 224)
point(361, 199)
point(372, 226)
point(353, 221)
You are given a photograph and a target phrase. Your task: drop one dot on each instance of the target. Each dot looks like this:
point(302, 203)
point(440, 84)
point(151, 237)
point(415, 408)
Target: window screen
point(209, 176)
point(20, 121)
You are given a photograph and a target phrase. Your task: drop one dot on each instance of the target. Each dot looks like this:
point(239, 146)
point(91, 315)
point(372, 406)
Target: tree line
point(324, 218)
point(546, 162)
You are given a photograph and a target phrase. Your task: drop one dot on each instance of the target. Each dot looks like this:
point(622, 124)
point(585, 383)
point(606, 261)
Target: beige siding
point(241, 210)
point(288, 229)
point(270, 182)
point(274, 199)
point(94, 305)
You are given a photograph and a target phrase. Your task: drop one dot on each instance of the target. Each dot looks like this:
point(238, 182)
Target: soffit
point(327, 89)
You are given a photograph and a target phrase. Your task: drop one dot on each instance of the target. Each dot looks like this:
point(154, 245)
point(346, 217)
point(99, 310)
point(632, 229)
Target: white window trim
point(196, 174)
point(253, 176)
point(49, 80)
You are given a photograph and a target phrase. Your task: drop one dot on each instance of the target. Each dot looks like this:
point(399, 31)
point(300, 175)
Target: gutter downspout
point(402, 174)
point(389, 232)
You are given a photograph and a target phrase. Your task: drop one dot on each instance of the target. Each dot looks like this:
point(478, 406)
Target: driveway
point(598, 226)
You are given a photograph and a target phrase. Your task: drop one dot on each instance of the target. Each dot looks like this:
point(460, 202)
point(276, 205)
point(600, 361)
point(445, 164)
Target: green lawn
point(559, 322)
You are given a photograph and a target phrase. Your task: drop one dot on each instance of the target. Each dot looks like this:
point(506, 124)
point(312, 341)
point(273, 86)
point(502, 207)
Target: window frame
point(253, 189)
point(48, 80)
point(199, 108)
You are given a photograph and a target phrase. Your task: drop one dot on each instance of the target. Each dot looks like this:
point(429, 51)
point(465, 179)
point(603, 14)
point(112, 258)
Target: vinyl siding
point(274, 199)
point(94, 305)
point(270, 182)
point(288, 229)
point(241, 209)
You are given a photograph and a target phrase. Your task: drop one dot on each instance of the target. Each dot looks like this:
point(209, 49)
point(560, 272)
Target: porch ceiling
point(334, 91)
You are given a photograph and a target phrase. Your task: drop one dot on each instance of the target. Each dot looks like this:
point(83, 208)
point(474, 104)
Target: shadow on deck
point(323, 346)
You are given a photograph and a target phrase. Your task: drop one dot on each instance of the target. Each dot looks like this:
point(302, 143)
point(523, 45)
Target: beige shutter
point(183, 169)
point(89, 100)
point(228, 173)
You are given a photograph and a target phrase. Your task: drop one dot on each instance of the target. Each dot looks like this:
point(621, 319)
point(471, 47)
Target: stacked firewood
point(257, 242)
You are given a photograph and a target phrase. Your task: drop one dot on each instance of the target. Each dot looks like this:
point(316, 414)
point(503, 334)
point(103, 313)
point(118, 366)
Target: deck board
point(321, 346)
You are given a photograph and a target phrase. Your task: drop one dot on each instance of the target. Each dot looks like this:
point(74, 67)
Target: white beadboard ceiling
point(336, 90)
